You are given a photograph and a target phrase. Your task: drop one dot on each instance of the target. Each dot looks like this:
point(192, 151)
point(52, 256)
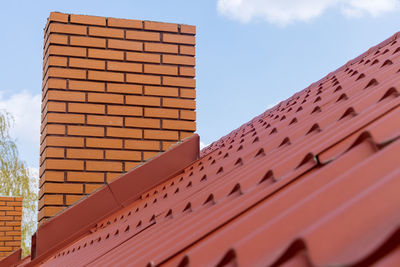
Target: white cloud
point(283, 12)
point(203, 145)
point(25, 108)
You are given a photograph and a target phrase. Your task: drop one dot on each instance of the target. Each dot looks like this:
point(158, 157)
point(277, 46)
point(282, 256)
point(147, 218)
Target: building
point(311, 181)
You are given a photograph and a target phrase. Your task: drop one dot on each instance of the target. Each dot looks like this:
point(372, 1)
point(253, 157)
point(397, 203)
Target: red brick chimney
point(115, 93)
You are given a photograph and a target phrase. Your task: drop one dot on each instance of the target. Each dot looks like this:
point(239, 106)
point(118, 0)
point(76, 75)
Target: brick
point(58, 39)
point(148, 155)
point(6, 228)
point(123, 155)
point(188, 29)
point(67, 51)
point(111, 176)
point(143, 36)
point(52, 152)
point(63, 164)
point(5, 238)
point(104, 120)
point(179, 103)
point(15, 203)
point(6, 248)
point(160, 26)
point(71, 199)
point(125, 23)
point(167, 145)
point(67, 73)
point(105, 98)
point(57, 61)
point(104, 166)
point(6, 207)
point(87, 41)
point(181, 60)
point(103, 143)
point(14, 224)
point(105, 76)
point(56, 83)
point(124, 132)
point(13, 243)
point(63, 188)
point(178, 39)
point(143, 100)
point(143, 79)
point(85, 130)
point(90, 177)
point(7, 198)
point(160, 134)
point(143, 57)
point(64, 141)
point(53, 129)
point(60, 17)
point(188, 115)
point(187, 71)
point(179, 81)
point(187, 50)
point(179, 125)
point(87, 63)
point(106, 32)
point(65, 118)
point(142, 122)
point(142, 145)
point(51, 200)
point(188, 93)
point(124, 110)
point(123, 66)
point(124, 88)
point(53, 176)
point(69, 29)
point(162, 48)
point(105, 54)
point(84, 153)
point(161, 91)
point(48, 211)
point(125, 45)
point(161, 113)
point(89, 188)
point(91, 20)
point(86, 108)
point(18, 208)
point(160, 69)
point(56, 106)
point(86, 86)
point(65, 96)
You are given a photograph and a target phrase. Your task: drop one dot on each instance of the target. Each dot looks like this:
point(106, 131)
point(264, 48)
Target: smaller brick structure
point(10, 225)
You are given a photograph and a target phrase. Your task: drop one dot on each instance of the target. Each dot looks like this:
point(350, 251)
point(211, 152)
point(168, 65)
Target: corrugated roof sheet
point(313, 181)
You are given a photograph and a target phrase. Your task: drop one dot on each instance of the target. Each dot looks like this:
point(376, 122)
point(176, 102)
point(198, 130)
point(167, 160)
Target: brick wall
point(115, 93)
point(10, 225)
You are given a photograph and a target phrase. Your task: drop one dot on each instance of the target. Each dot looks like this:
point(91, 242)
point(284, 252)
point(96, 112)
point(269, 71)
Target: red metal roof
point(313, 181)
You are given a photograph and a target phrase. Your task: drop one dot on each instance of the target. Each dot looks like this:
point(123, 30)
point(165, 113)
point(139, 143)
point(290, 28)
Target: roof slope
point(312, 181)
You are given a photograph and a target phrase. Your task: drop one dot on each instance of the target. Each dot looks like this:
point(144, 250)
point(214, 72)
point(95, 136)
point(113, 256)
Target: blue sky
point(251, 54)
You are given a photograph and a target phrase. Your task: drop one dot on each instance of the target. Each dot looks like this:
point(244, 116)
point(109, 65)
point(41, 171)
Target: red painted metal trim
point(129, 187)
point(12, 259)
point(81, 217)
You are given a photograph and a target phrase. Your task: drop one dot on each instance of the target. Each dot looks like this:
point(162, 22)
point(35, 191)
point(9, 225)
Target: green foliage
point(17, 180)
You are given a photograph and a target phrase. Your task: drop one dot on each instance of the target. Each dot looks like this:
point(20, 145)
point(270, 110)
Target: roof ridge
point(208, 149)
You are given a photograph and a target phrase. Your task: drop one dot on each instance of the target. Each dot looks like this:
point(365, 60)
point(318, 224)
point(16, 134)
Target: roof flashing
point(76, 220)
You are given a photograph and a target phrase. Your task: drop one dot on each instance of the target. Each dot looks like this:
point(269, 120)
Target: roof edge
point(211, 147)
point(12, 259)
point(75, 221)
